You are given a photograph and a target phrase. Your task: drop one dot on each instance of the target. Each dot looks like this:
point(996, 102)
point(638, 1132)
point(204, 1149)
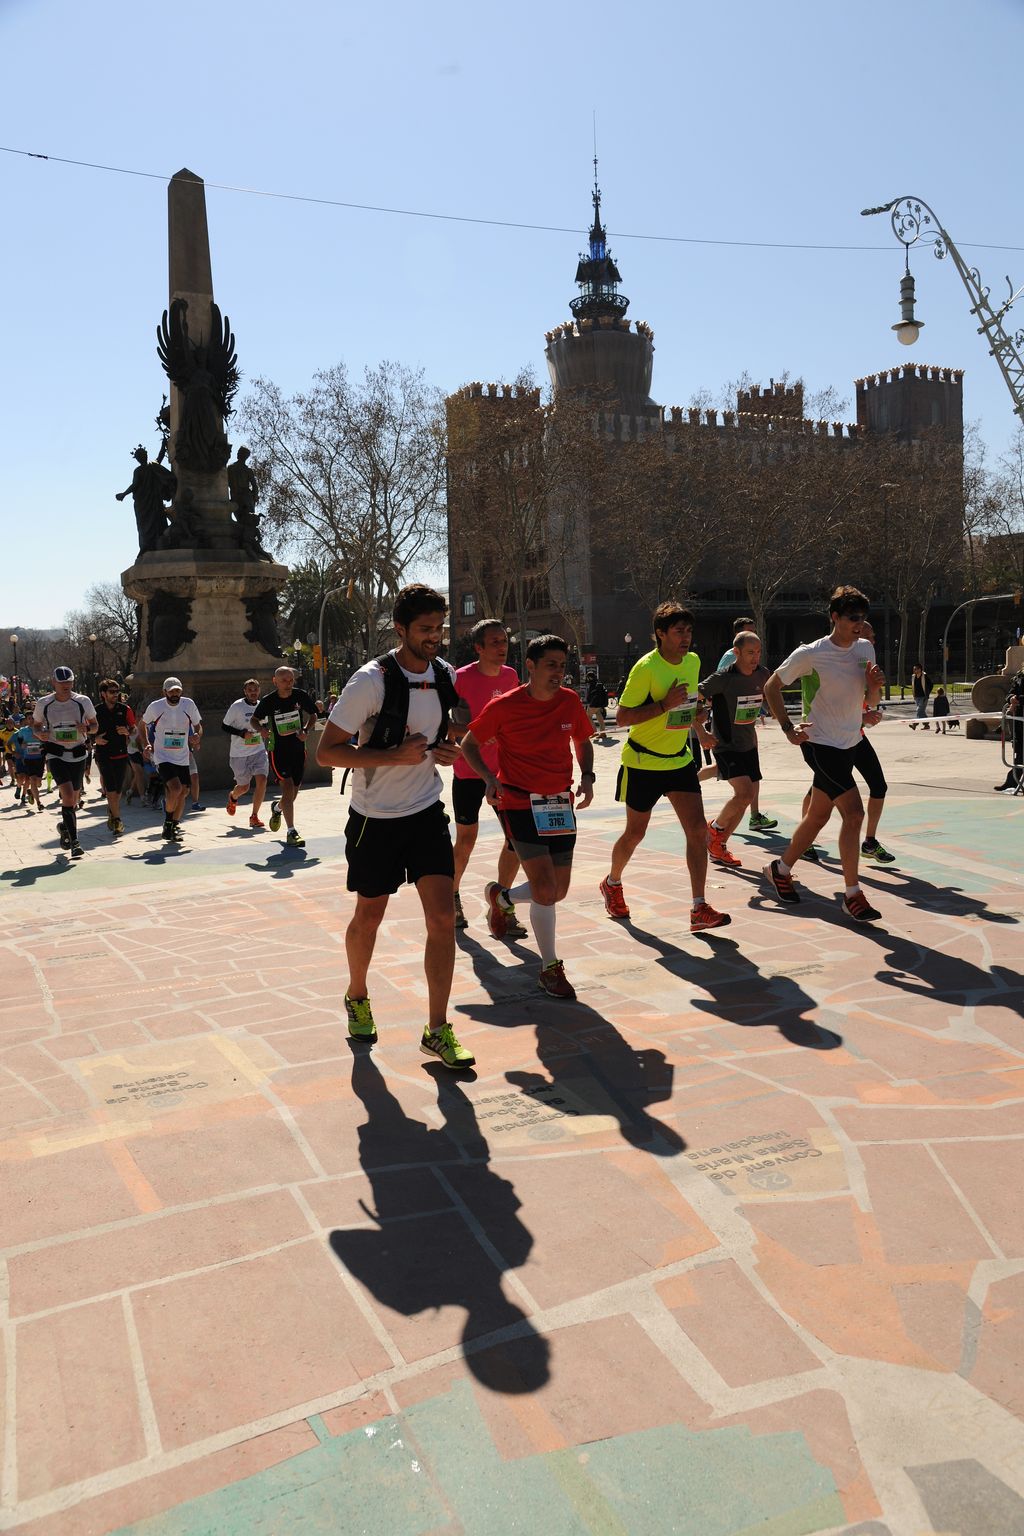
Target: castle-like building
point(600, 357)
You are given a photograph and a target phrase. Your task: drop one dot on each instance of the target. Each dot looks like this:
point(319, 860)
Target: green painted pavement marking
point(436, 1467)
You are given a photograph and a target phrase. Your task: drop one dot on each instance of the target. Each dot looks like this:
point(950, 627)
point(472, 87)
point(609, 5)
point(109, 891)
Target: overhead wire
point(465, 218)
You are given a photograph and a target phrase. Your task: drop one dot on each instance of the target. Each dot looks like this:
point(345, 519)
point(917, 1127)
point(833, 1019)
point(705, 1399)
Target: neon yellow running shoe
point(360, 1019)
point(446, 1048)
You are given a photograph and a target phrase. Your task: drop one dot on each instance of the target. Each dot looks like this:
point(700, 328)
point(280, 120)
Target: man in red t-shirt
point(478, 683)
point(535, 729)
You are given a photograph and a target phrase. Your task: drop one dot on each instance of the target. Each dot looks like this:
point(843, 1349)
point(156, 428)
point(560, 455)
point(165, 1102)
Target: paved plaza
point(735, 1244)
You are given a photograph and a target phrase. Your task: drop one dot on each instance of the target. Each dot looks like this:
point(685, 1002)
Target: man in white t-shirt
point(174, 729)
point(65, 720)
point(838, 673)
point(397, 830)
point(247, 753)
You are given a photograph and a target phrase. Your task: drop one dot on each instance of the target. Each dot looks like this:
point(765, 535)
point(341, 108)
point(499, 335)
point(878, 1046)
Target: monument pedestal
point(208, 616)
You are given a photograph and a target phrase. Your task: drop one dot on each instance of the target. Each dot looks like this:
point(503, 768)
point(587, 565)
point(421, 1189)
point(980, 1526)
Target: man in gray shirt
point(735, 696)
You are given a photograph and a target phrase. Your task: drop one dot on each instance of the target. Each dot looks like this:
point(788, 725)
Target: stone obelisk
point(208, 605)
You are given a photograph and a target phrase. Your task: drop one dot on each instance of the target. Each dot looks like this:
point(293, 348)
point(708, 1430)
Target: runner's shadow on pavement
point(948, 900)
point(283, 865)
point(30, 873)
point(426, 1253)
point(944, 977)
point(579, 1049)
point(741, 994)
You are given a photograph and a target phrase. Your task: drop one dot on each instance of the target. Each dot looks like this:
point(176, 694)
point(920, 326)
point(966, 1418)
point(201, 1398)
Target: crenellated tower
point(597, 354)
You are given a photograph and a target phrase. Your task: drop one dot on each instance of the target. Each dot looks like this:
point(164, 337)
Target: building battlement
point(602, 323)
point(499, 392)
point(785, 400)
point(910, 371)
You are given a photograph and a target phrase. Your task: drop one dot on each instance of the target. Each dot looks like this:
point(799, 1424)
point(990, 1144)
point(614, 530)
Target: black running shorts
point(288, 759)
point(865, 760)
point(738, 765)
point(467, 798)
point(642, 788)
point(832, 768)
point(174, 773)
point(65, 771)
point(111, 771)
point(522, 837)
point(384, 853)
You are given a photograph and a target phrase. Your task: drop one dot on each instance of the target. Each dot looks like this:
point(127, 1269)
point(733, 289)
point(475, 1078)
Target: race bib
point(747, 709)
point(174, 741)
point(682, 717)
point(252, 739)
point(553, 815)
point(65, 733)
point(288, 725)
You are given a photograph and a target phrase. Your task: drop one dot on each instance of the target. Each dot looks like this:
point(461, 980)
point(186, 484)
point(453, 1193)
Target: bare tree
point(353, 474)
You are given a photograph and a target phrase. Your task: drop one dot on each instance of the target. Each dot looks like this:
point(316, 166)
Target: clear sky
point(741, 122)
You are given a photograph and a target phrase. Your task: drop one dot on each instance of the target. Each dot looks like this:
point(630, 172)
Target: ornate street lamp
point(95, 679)
point(15, 681)
point(913, 223)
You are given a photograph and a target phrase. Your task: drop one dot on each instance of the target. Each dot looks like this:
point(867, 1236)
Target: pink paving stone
point(575, 1405)
point(176, 1026)
point(220, 1157)
point(20, 1106)
point(327, 1042)
point(731, 1323)
point(907, 1053)
point(999, 1367)
point(817, 1232)
point(991, 1176)
point(49, 1196)
point(74, 1370)
point(231, 1346)
point(167, 1490)
point(935, 1316)
point(69, 1047)
point(348, 1416)
point(29, 1062)
point(151, 1250)
point(905, 1124)
point(593, 1226)
point(920, 1219)
point(65, 1094)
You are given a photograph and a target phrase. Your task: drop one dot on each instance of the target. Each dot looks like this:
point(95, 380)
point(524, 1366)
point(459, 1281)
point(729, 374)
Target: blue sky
point(735, 123)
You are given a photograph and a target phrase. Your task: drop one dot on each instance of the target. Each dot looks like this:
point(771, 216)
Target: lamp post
point(914, 222)
point(95, 679)
point(885, 487)
point(320, 632)
point(629, 642)
point(15, 681)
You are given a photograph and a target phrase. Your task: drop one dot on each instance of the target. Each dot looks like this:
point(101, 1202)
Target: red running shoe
point(496, 919)
point(705, 916)
point(718, 853)
point(256, 824)
point(860, 909)
point(232, 806)
point(785, 886)
point(552, 980)
point(614, 898)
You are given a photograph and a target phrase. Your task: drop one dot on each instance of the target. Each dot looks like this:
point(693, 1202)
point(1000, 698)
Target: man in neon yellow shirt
point(659, 704)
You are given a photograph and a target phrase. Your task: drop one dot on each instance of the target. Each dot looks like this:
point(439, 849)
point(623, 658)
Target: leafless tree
point(353, 474)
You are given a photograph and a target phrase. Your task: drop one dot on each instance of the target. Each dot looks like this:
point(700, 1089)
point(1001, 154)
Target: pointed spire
point(597, 275)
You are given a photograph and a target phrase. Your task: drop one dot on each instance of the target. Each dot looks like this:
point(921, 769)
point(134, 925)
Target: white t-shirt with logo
point(833, 690)
point(239, 715)
point(169, 726)
point(65, 722)
point(408, 787)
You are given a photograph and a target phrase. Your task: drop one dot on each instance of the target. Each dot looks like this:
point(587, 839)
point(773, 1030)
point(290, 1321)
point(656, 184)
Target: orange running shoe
point(705, 916)
point(718, 853)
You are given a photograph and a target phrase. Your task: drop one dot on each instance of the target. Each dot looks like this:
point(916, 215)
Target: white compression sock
point(542, 921)
point(520, 892)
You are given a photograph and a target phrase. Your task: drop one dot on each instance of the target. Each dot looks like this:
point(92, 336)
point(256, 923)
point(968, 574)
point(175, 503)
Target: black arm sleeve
point(232, 730)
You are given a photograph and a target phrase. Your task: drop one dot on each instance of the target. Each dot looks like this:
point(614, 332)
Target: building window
point(468, 605)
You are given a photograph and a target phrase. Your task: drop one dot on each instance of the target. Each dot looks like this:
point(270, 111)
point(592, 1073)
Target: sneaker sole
point(558, 997)
point(365, 1039)
point(866, 917)
point(724, 920)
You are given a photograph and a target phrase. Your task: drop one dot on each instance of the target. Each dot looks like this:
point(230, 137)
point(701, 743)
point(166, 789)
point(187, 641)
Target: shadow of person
point(945, 977)
point(741, 994)
point(580, 1050)
point(947, 900)
point(283, 865)
point(455, 1253)
point(28, 874)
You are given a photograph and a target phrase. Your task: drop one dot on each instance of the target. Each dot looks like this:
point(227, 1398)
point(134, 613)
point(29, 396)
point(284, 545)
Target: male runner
point(28, 765)
point(482, 680)
point(64, 721)
point(843, 673)
point(8, 726)
point(659, 704)
point(116, 725)
point(865, 760)
point(736, 695)
point(397, 830)
point(174, 729)
point(247, 756)
point(757, 822)
point(285, 718)
point(533, 728)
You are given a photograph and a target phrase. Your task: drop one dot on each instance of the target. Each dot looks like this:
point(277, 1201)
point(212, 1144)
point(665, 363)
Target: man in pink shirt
point(478, 683)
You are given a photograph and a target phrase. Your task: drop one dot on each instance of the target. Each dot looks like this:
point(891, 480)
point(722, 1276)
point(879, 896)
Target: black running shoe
point(77, 851)
point(785, 888)
point(65, 837)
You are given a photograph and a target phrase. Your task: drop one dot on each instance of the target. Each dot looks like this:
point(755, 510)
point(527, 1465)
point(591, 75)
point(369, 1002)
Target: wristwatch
point(788, 726)
point(591, 776)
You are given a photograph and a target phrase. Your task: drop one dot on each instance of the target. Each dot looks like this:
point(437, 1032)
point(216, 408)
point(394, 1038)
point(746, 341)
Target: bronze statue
point(186, 530)
point(168, 630)
point(262, 611)
point(207, 375)
point(244, 490)
point(152, 485)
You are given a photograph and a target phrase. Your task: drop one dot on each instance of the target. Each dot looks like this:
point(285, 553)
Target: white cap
point(172, 682)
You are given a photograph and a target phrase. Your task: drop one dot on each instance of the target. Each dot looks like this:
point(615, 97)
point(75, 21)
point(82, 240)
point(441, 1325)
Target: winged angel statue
point(207, 375)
